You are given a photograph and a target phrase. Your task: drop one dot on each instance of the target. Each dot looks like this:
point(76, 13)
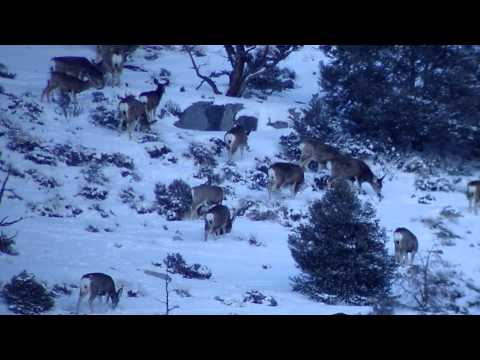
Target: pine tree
point(341, 251)
point(421, 98)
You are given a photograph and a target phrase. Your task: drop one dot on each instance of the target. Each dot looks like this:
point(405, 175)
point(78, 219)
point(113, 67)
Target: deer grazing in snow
point(282, 174)
point(79, 67)
point(132, 112)
point(67, 84)
point(236, 138)
point(405, 242)
point(205, 195)
point(315, 150)
point(473, 195)
point(346, 167)
point(97, 285)
point(151, 99)
point(218, 221)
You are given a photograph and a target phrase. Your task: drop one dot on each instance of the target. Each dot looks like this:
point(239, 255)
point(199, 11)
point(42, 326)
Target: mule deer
point(79, 67)
point(315, 150)
point(473, 195)
point(132, 112)
point(277, 124)
point(236, 138)
point(218, 221)
point(67, 84)
point(405, 242)
point(151, 99)
point(205, 194)
point(347, 167)
point(96, 285)
point(283, 174)
point(112, 62)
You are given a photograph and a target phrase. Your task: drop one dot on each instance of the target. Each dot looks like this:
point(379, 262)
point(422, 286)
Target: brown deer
point(282, 174)
point(473, 195)
point(96, 285)
point(346, 167)
point(79, 67)
point(132, 112)
point(315, 150)
point(151, 99)
point(205, 195)
point(112, 62)
point(218, 221)
point(236, 138)
point(405, 242)
point(67, 84)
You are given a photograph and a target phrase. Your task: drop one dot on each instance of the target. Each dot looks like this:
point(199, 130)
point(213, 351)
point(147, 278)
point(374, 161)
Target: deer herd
point(73, 75)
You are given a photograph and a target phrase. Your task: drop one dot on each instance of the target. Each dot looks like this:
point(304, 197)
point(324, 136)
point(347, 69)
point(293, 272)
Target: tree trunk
point(236, 77)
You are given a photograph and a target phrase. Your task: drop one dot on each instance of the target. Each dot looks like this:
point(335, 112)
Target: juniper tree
point(421, 98)
point(341, 251)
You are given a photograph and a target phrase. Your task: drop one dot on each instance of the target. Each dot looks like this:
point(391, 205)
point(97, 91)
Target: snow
point(60, 250)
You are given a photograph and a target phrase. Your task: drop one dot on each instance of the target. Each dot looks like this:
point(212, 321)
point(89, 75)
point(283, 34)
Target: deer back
point(68, 82)
point(286, 173)
point(207, 193)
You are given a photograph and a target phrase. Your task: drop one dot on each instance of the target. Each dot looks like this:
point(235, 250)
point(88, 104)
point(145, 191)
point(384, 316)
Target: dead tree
point(4, 222)
point(247, 62)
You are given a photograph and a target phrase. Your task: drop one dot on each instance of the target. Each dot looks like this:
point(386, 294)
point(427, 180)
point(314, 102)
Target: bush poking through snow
point(24, 295)
point(256, 297)
point(177, 265)
point(173, 201)
point(202, 156)
point(341, 251)
point(6, 244)
point(430, 286)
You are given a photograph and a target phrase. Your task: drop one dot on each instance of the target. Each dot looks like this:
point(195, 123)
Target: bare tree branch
point(3, 222)
point(206, 79)
point(2, 190)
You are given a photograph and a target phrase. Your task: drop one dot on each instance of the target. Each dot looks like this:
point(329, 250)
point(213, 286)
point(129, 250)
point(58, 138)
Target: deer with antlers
point(151, 99)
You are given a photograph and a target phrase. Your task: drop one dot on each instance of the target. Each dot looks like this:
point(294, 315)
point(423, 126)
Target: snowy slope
point(60, 250)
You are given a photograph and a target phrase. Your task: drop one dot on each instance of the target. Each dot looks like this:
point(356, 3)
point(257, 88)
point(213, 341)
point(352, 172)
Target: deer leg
point(80, 298)
point(90, 302)
point(413, 257)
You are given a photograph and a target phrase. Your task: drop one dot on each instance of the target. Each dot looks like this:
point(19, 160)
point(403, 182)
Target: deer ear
point(383, 177)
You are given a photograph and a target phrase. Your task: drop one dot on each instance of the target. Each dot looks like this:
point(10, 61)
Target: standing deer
point(79, 67)
point(315, 150)
point(205, 194)
point(346, 167)
point(218, 221)
point(96, 285)
point(151, 99)
point(283, 174)
point(236, 138)
point(112, 62)
point(132, 112)
point(67, 84)
point(473, 195)
point(405, 242)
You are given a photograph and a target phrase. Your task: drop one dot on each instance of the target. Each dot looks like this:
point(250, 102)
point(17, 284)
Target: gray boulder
point(205, 116)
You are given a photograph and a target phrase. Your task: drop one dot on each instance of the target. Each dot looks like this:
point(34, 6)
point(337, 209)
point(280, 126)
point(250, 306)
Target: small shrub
point(93, 193)
point(6, 244)
point(290, 145)
point(202, 156)
point(176, 264)
point(173, 201)
point(256, 297)
point(24, 295)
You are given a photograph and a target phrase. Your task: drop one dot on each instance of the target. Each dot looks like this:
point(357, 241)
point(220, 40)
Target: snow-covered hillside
point(59, 250)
